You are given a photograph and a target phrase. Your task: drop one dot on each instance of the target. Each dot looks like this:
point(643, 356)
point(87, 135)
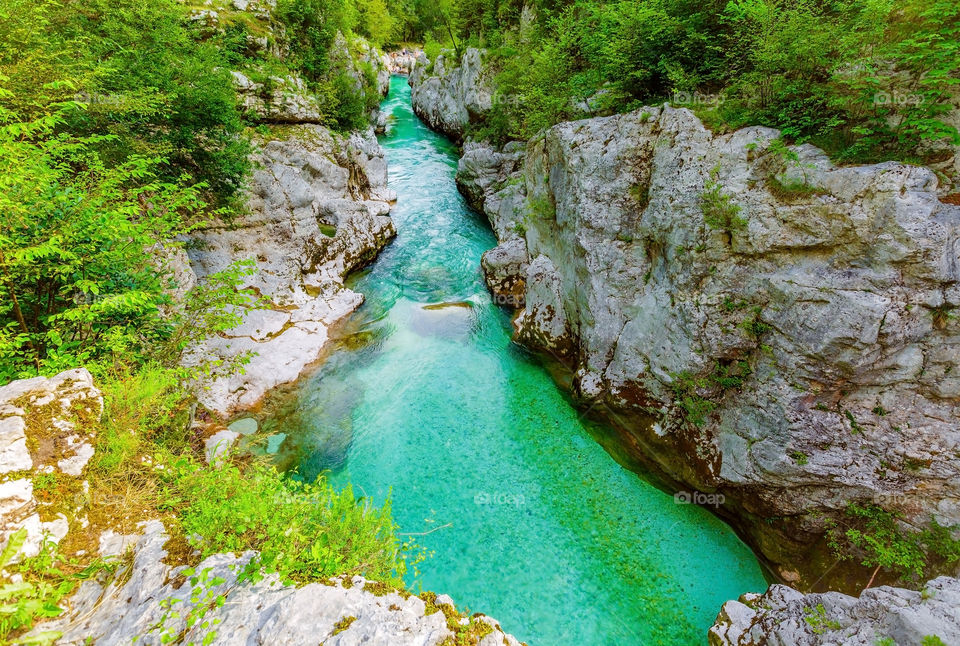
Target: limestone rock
point(285, 100)
point(812, 307)
point(402, 62)
point(784, 616)
point(342, 613)
point(318, 207)
point(46, 425)
point(449, 94)
point(218, 445)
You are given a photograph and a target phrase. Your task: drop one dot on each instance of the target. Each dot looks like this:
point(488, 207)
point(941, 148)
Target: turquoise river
point(528, 518)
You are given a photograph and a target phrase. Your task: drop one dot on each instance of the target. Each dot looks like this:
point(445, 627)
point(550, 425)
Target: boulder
point(47, 427)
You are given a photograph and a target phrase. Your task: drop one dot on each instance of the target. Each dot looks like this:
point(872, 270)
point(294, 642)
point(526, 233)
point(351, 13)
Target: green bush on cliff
point(877, 539)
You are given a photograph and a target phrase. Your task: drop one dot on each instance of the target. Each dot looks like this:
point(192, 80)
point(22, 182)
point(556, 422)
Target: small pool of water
point(428, 401)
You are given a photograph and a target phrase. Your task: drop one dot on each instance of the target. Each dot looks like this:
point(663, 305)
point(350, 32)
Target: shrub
point(875, 537)
point(304, 531)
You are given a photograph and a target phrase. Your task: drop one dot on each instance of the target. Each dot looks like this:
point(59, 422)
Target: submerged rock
point(883, 615)
point(781, 330)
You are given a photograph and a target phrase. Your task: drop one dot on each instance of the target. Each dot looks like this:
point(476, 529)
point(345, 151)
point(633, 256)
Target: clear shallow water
point(534, 523)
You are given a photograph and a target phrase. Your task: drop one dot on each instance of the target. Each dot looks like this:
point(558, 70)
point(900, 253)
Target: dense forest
point(864, 79)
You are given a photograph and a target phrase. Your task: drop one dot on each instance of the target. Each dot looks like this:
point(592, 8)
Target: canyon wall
point(316, 207)
point(760, 322)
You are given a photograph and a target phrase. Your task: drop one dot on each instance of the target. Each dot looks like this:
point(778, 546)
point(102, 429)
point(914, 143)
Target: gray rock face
point(764, 323)
point(784, 616)
point(46, 426)
point(318, 207)
point(153, 600)
point(449, 94)
point(287, 99)
point(403, 62)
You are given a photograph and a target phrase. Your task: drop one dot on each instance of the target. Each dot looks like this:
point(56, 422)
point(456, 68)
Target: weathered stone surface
point(317, 208)
point(46, 424)
point(449, 94)
point(286, 100)
point(784, 616)
point(149, 600)
point(343, 613)
point(830, 297)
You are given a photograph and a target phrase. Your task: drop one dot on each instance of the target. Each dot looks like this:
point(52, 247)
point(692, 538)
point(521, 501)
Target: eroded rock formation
point(764, 323)
point(318, 207)
point(883, 615)
point(761, 322)
point(450, 93)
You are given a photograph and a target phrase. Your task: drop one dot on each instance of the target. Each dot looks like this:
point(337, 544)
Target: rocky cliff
point(764, 323)
point(759, 322)
point(317, 207)
point(450, 93)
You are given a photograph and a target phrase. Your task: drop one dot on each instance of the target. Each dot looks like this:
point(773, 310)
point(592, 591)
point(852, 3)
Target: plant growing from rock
point(878, 539)
point(31, 588)
point(719, 210)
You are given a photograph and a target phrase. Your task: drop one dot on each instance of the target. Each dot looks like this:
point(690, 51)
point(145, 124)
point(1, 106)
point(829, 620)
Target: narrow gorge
point(480, 323)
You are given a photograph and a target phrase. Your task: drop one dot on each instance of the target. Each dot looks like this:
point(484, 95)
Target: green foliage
point(312, 27)
point(80, 281)
point(817, 618)
point(203, 598)
point(867, 79)
point(719, 210)
point(932, 640)
point(133, 65)
point(686, 389)
point(31, 588)
point(877, 538)
point(304, 531)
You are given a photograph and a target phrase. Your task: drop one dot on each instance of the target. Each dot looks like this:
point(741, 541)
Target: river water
point(528, 518)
